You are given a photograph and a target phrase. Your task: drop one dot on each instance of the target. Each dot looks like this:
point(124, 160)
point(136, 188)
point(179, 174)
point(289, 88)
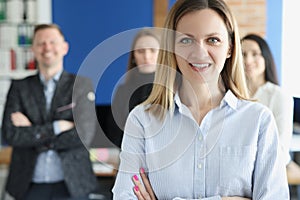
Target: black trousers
point(47, 191)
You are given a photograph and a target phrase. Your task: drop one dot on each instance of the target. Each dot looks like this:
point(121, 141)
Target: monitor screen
point(297, 110)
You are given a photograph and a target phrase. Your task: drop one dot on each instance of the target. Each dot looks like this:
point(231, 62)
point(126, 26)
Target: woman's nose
point(147, 54)
point(247, 58)
point(200, 49)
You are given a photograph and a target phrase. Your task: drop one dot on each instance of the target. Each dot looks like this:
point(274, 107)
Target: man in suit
point(48, 119)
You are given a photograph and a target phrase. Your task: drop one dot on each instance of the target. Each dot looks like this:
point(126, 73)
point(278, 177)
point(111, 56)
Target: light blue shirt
point(48, 168)
point(234, 152)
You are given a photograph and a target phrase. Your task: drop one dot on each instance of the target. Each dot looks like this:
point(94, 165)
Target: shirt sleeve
point(208, 198)
point(56, 128)
point(269, 166)
point(132, 158)
point(282, 106)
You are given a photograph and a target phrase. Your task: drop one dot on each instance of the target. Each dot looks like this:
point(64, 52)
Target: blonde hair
point(167, 76)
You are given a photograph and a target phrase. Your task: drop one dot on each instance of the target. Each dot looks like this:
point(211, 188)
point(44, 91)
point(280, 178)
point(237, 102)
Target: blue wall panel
point(87, 23)
point(274, 31)
point(171, 2)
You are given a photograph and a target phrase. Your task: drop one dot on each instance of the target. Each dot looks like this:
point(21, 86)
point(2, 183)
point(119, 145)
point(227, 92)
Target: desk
point(5, 154)
point(293, 169)
point(105, 161)
point(295, 143)
point(105, 168)
point(105, 172)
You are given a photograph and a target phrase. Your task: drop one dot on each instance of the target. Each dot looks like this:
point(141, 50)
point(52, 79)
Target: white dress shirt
point(234, 152)
point(48, 167)
point(282, 106)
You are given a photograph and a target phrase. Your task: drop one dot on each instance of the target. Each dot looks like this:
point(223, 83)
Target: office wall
point(290, 45)
point(87, 23)
point(263, 17)
point(274, 32)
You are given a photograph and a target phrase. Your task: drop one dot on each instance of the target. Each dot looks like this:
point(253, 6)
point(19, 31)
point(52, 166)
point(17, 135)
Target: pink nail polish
point(136, 188)
point(135, 177)
point(142, 170)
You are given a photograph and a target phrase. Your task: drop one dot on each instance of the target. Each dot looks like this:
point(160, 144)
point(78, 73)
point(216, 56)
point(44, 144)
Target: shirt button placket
point(200, 137)
point(199, 166)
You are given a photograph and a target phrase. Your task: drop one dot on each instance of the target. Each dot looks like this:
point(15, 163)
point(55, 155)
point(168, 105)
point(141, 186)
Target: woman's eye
point(140, 50)
point(186, 41)
point(153, 50)
point(256, 54)
point(213, 40)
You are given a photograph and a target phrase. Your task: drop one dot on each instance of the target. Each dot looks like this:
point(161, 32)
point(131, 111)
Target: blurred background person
point(263, 85)
point(137, 84)
point(41, 123)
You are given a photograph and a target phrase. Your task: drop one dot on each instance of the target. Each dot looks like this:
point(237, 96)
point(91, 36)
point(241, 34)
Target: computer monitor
point(297, 110)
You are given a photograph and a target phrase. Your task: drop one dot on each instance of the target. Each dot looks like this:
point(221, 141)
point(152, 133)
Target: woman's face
point(254, 61)
point(145, 54)
point(201, 46)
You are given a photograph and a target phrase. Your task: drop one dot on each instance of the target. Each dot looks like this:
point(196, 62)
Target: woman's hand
point(143, 190)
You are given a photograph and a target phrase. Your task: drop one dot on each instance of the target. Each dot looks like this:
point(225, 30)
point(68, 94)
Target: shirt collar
point(55, 77)
point(229, 99)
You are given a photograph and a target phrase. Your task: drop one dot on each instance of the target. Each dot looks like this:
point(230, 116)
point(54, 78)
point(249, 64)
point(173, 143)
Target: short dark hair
point(39, 27)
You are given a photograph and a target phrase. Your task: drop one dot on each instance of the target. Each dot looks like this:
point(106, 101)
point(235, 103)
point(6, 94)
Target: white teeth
point(47, 55)
point(200, 65)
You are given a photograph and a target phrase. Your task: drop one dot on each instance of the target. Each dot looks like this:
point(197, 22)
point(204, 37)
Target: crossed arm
point(143, 189)
point(20, 120)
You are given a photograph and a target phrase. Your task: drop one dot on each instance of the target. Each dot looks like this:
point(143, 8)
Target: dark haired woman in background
point(263, 85)
point(137, 84)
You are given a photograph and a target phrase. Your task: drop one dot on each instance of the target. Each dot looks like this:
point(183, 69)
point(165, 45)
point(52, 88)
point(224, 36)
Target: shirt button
point(199, 165)
point(200, 137)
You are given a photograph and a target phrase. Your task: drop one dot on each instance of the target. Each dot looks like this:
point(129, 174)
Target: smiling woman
point(203, 51)
point(197, 120)
point(263, 85)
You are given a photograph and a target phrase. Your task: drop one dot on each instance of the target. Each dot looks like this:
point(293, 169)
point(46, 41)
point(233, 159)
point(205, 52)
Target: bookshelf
point(17, 21)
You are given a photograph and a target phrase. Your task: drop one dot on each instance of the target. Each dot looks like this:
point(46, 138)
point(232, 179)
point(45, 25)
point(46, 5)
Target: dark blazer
point(68, 103)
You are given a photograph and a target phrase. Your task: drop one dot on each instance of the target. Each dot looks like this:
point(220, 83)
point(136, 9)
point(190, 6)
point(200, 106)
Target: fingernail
point(135, 177)
point(136, 188)
point(142, 170)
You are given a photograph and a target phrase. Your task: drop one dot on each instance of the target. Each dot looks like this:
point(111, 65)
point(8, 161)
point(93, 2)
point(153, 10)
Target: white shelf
point(10, 40)
point(17, 74)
